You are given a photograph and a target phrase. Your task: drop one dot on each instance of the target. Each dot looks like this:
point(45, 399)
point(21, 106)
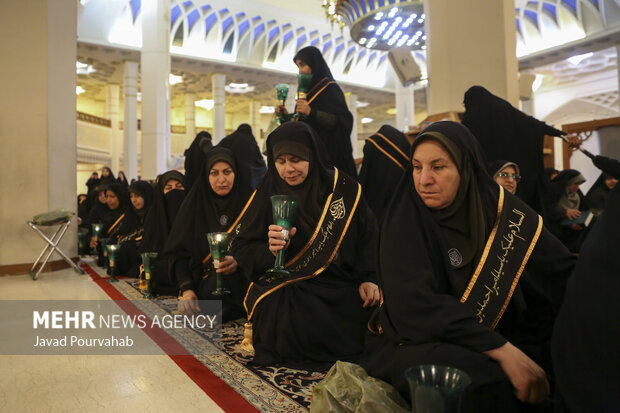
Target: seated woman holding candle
point(453, 248)
point(317, 313)
point(214, 204)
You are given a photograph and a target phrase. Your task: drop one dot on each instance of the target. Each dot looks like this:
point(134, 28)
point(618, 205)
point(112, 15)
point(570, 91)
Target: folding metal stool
point(52, 245)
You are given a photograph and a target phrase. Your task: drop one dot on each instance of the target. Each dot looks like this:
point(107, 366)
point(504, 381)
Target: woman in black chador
point(453, 247)
point(195, 157)
point(326, 109)
point(316, 315)
point(168, 195)
point(386, 155)
point(566, 201)
point(599, 192)
point(243, 144)
point(214, 204)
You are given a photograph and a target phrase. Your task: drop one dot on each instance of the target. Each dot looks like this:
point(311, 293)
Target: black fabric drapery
point(243, 143)
point(195, 157)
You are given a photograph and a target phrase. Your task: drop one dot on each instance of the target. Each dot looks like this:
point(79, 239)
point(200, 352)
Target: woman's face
point(172, 184)
point(137, 201)
point(508, 178)
point(304, 69)
point(572, 188)
point(292, 169)
point(102, 197)
point(221, 178)
point(435, 175)
point(105, 172)
point(112, 200)
point(610, 182)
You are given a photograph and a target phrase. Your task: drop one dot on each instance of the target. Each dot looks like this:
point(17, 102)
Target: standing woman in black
point(214, 203)
point(326, 109)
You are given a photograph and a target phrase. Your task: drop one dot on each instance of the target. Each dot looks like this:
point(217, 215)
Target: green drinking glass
point(304, 82)
point(284, 208)
point(82, 240)
point(436, 389)
point(282, 94)
point(104, 244)
point(112, 250)
point(218, 243)
point(148, 261)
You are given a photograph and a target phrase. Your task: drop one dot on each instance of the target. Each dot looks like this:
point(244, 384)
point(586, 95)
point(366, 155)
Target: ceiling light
point(174, 79)
point(378, 16)
point(361, 104)
point(367, 120)
point(267, 109)
point(238, 85)
point(575, 60)
point(362, 40)
point(420, 20)
point(84, 68)
point(205, 104)
point(371, 27)
point(79, 90)
point(238, 88)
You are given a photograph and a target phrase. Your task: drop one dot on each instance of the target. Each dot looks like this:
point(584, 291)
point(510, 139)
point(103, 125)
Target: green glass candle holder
point(436, 389)
point(148, 262)
point(282, 94)
point(82, 240)
point(218, 243)
point(97, 228)
point(112, 250)
point(284, 209)
point(104, 261)
point(304, 83)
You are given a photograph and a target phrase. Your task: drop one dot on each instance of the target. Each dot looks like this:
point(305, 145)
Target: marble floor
point(89, 383)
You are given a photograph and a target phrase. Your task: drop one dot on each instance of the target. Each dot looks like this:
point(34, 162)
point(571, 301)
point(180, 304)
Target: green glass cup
point(104, 262)
point(304, 83)
point(284, 209)
point(218, 243)
point(282, 94)
point(148, 262)
point(82, 240)
point(97, 228)
point(112, 250)
point(436, 389)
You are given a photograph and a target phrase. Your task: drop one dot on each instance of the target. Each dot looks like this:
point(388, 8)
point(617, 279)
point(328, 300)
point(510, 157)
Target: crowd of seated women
point(429, 256)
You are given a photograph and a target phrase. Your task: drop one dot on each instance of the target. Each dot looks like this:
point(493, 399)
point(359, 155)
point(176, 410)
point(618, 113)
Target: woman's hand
point(369, 292)
point(228, 265)
point(93, 242)
point(303, 107)
point(281, 109)
point(573, 213)
point(276, 238)
point(188, 304)
point(527, 377)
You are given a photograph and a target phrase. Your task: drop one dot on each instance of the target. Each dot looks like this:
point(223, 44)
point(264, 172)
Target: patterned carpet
point(268, 389)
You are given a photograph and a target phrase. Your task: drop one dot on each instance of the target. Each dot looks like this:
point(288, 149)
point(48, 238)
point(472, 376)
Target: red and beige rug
point(220, 368)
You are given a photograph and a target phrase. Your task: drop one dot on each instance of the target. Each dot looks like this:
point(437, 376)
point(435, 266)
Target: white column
point(352, 103)
point(255, 118)
point(218, 81)
point(113, 115)
point(190, 119)
point(405, 108)
point(155, 69)
point(130, 120)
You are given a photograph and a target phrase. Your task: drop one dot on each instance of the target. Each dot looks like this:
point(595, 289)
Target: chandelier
point(380, 24)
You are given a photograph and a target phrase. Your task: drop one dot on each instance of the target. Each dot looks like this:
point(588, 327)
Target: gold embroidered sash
point(112, 230)
point(322, 247)
point(504, 257)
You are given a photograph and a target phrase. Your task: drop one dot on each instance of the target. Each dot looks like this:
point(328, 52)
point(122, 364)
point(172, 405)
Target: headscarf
point(145, 190)
point(419, 283)
point(161, 215)
point(130, 221)
point(243, 144)
point(560, 189)
point(310, 194)
point(201, 211)
point(314, 58)
point(195, 157)
point(495, 167)
point(107, 180)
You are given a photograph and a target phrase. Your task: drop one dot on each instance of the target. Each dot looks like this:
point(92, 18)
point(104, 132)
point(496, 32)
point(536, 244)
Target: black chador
point(386, 156)
point(204, 211)
point(157, 226)
point(329, 115)
point(464, 279)
point(505, 132)
point(243, 144)
point(315, 316)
